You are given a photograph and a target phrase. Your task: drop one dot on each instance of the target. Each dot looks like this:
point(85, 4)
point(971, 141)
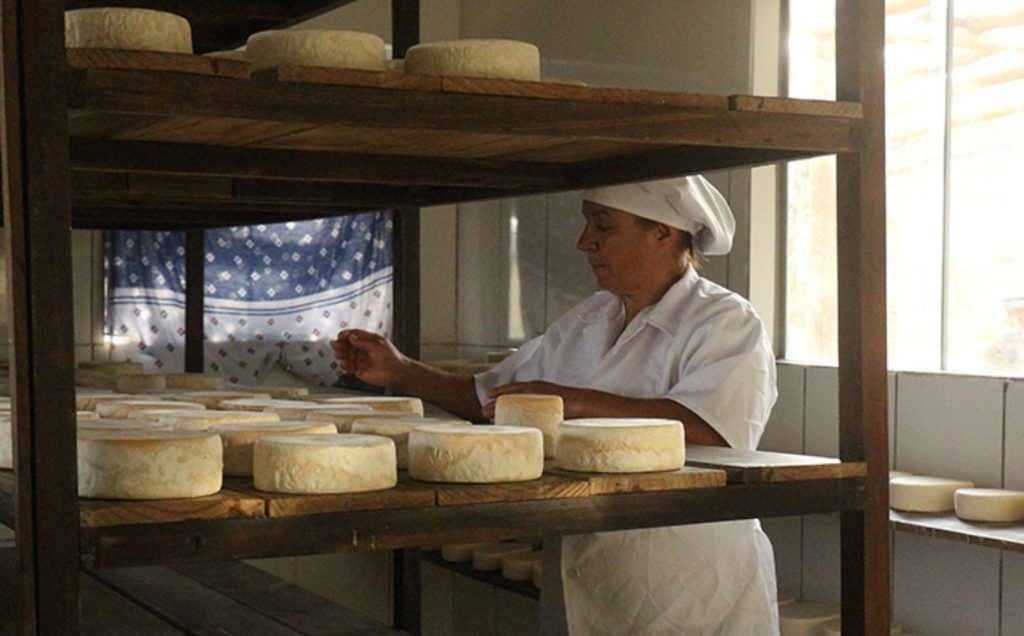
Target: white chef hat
point(690, 204)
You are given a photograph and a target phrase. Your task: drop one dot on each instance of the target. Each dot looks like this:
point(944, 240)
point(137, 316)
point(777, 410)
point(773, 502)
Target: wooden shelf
point(947, 526)
point(158, 133)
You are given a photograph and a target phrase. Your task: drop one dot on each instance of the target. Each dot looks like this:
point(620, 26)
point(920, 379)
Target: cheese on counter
point(316, 47)
point(620, 445)
point(475, 454)
point(543, 412)
point(488, 557)
point(238, 440)
point(120, 409)
point(503, 59)
point(132, 29)
point(324, 463)
point(398, 430)
point(924, 494)
point(519, 565)
point(804, 618)
point(380, 403)
point(990, 505)
point(148, 464)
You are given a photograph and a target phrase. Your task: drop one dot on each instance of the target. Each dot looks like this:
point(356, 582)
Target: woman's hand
point(573, 399)
point(369, 356)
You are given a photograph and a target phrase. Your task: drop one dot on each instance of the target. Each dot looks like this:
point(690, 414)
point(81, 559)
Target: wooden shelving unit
point(108, 141)
point(1001, 536)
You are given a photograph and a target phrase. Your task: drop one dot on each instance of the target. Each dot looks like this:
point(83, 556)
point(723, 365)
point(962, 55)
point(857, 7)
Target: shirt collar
point(663, 314)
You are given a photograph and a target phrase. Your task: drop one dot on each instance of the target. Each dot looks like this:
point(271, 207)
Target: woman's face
point(626, 258)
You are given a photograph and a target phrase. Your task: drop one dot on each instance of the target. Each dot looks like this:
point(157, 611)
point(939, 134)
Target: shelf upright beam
point(37, 219)
point(863, 386)
point(195, 280)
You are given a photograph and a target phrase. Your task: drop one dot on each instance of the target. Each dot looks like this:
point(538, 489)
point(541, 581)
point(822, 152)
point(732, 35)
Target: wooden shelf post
point(195, 280)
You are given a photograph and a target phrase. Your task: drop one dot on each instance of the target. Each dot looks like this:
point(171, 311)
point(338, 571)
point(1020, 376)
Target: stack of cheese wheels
point(200, 420)
point(400, 404)
point(148, 464)
point(87, 399)
point(397, 429)
point(134, 29)
point(212, 399)
point(488, 556)
point(337, 463)
point(124, 408)
point(194, 381)
point(543, 412)
point(343, 416)
point(121, 425)
point(141, 382)
point(924, 494)
point(620, 445)
point(804, 618)
point(316, 47)
point(990, 505)
point(239, 439)
point(502, 59)
point(475, 454)
point(519, 566)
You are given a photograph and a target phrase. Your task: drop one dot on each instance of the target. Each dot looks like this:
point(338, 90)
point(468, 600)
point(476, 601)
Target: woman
point(658, 341)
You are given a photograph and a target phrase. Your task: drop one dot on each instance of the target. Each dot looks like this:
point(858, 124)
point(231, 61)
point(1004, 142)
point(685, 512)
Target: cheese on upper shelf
point(398, 430)
point(258, 405)
point(543, 412)
point(316, 47)
point(379, 403)
point(239, 439)
point(200, 420)
point(990, 505)
point(475, 454)
point(212, 399)
point(148, 464)
point(87, 399)
point(620, 445)
point(124, 408)
point(325, 463)
point(343, 416)
point(502, 59)
point(123, 28)
point(132, 424)
point(924, 494)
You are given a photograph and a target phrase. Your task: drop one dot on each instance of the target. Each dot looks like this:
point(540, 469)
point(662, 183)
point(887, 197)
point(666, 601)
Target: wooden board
point(547, 487)
point(80, 58)
point(749, 467)
point(226, 504)
point(1004, 536)
point(286, 505)
point(685, 478)
point(348, 77)
point(816, 107)
point(568, 92)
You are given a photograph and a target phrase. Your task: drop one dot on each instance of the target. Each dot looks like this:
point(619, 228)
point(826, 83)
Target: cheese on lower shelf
point(132, 29)
point(148, 464)
point(398, 430)
point(316, 47)
point(324, 464)
point(194, 381)
point(458, 552)
point(141, 382)
point(502, 59)
point(475, 454)
point(212, 399)
point(519, 566)
point(198, 420)
point(803, 618)
point(487, 557)
point(989, 505)
point(238, 440)
point(924, 494)
point(620, 445)
point(543, 412)
point(380, 403)
point(123, 408)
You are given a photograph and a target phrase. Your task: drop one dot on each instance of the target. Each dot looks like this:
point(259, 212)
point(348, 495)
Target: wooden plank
point(405, 495)
point(226, 504)
point(163, 186)
point(610, 483)
point(1002, 536)
point(217, 131)
point(195, 297)
point(749, 467)
point(154, 217)
point(79, 58)
point(814, 107)
point(549, 486)
point(37, 235)
point(406, 292)
point(348, 77)
point(284, 602)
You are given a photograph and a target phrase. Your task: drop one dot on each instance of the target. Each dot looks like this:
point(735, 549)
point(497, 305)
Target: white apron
point(704, 347)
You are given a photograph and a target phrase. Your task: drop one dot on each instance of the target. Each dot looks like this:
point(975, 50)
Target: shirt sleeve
point(729, 379)
point(509, 369)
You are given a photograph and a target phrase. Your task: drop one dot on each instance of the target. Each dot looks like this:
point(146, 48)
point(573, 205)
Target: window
point(954, 144)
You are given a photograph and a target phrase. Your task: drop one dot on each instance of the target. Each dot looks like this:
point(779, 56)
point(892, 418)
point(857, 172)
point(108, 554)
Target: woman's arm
point(581, 403)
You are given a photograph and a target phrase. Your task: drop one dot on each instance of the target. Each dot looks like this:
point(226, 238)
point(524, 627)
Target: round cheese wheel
point(133, 29)
point(487, 557)
point(258, 405)
point(924, 494)
point(324, 463)
point(804, 618)
point(238, 440)
point(990, 505)
point(212, 399)
point(398, 430)
point(201, 420)
point(543, 412)
point(148, 464)
point(519, 566)
point(380, 403)
point(194, 381)
point(343, 416)
point(87, 415)
point(133, 424)
point(113, 367)
point(141, 382)
point(120, 409)
point(87, 399)
point(297, 410)
point(458, 552)
point(503, 59)
point(475, 454)
point(316, 47)
point(620, 445)
point(537, 575)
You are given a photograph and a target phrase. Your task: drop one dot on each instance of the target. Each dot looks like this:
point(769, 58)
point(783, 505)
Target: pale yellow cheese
point(504, 59)
point(380, 403)
point(238, 440)
point(316, 47)
point(124, 408)
point(141, 382)
point(324, 463)
point(519, 566)
point(283, 392)
point(133, 424)
point(343, 416)
point(990, 505)
point(132, 29)
point(398, 430)
point(87, 415)
point(87, 399)
point(200, 420)
point(804, 618)
point(258, 405)
point(297, 410)
point(148, 464)
point(924, 494)
point(620, 445)
point(194, 381)
point(487, 557)
point(475, 454)
point(543, 412)
point(212, 399)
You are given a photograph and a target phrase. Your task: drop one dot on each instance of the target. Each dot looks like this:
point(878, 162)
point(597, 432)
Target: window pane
point(986, 248)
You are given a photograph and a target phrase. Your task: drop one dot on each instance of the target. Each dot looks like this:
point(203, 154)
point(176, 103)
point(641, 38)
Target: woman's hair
point(690, 253)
